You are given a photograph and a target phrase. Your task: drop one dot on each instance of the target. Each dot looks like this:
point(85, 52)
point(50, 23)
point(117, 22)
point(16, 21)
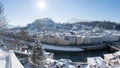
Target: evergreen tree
point(38, 56)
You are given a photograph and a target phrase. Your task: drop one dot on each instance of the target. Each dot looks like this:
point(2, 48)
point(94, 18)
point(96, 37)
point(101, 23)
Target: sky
point(22, 12)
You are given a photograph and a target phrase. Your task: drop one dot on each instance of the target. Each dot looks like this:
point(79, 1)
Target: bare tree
point(3, 21)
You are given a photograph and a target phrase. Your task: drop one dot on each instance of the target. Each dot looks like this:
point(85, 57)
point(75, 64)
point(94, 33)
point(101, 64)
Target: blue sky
point(22, 12)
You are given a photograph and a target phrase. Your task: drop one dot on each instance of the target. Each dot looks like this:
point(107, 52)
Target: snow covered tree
point(38, 56)
point(3, 21)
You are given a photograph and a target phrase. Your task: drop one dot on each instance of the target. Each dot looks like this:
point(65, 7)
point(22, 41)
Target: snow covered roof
point(96, 61)
point(109, 56)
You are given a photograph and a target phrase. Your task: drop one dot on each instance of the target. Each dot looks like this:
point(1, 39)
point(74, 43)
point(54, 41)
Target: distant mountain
point(75, 20)
point(103, 24)
point(10, 26)
point(49, 24)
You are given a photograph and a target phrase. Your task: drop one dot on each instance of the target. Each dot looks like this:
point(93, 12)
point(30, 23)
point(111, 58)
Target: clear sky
point(22, 12)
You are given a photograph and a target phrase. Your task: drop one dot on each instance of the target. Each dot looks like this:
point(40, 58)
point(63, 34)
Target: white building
point(86, 40)
point(96, 39)
point(79, 40)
